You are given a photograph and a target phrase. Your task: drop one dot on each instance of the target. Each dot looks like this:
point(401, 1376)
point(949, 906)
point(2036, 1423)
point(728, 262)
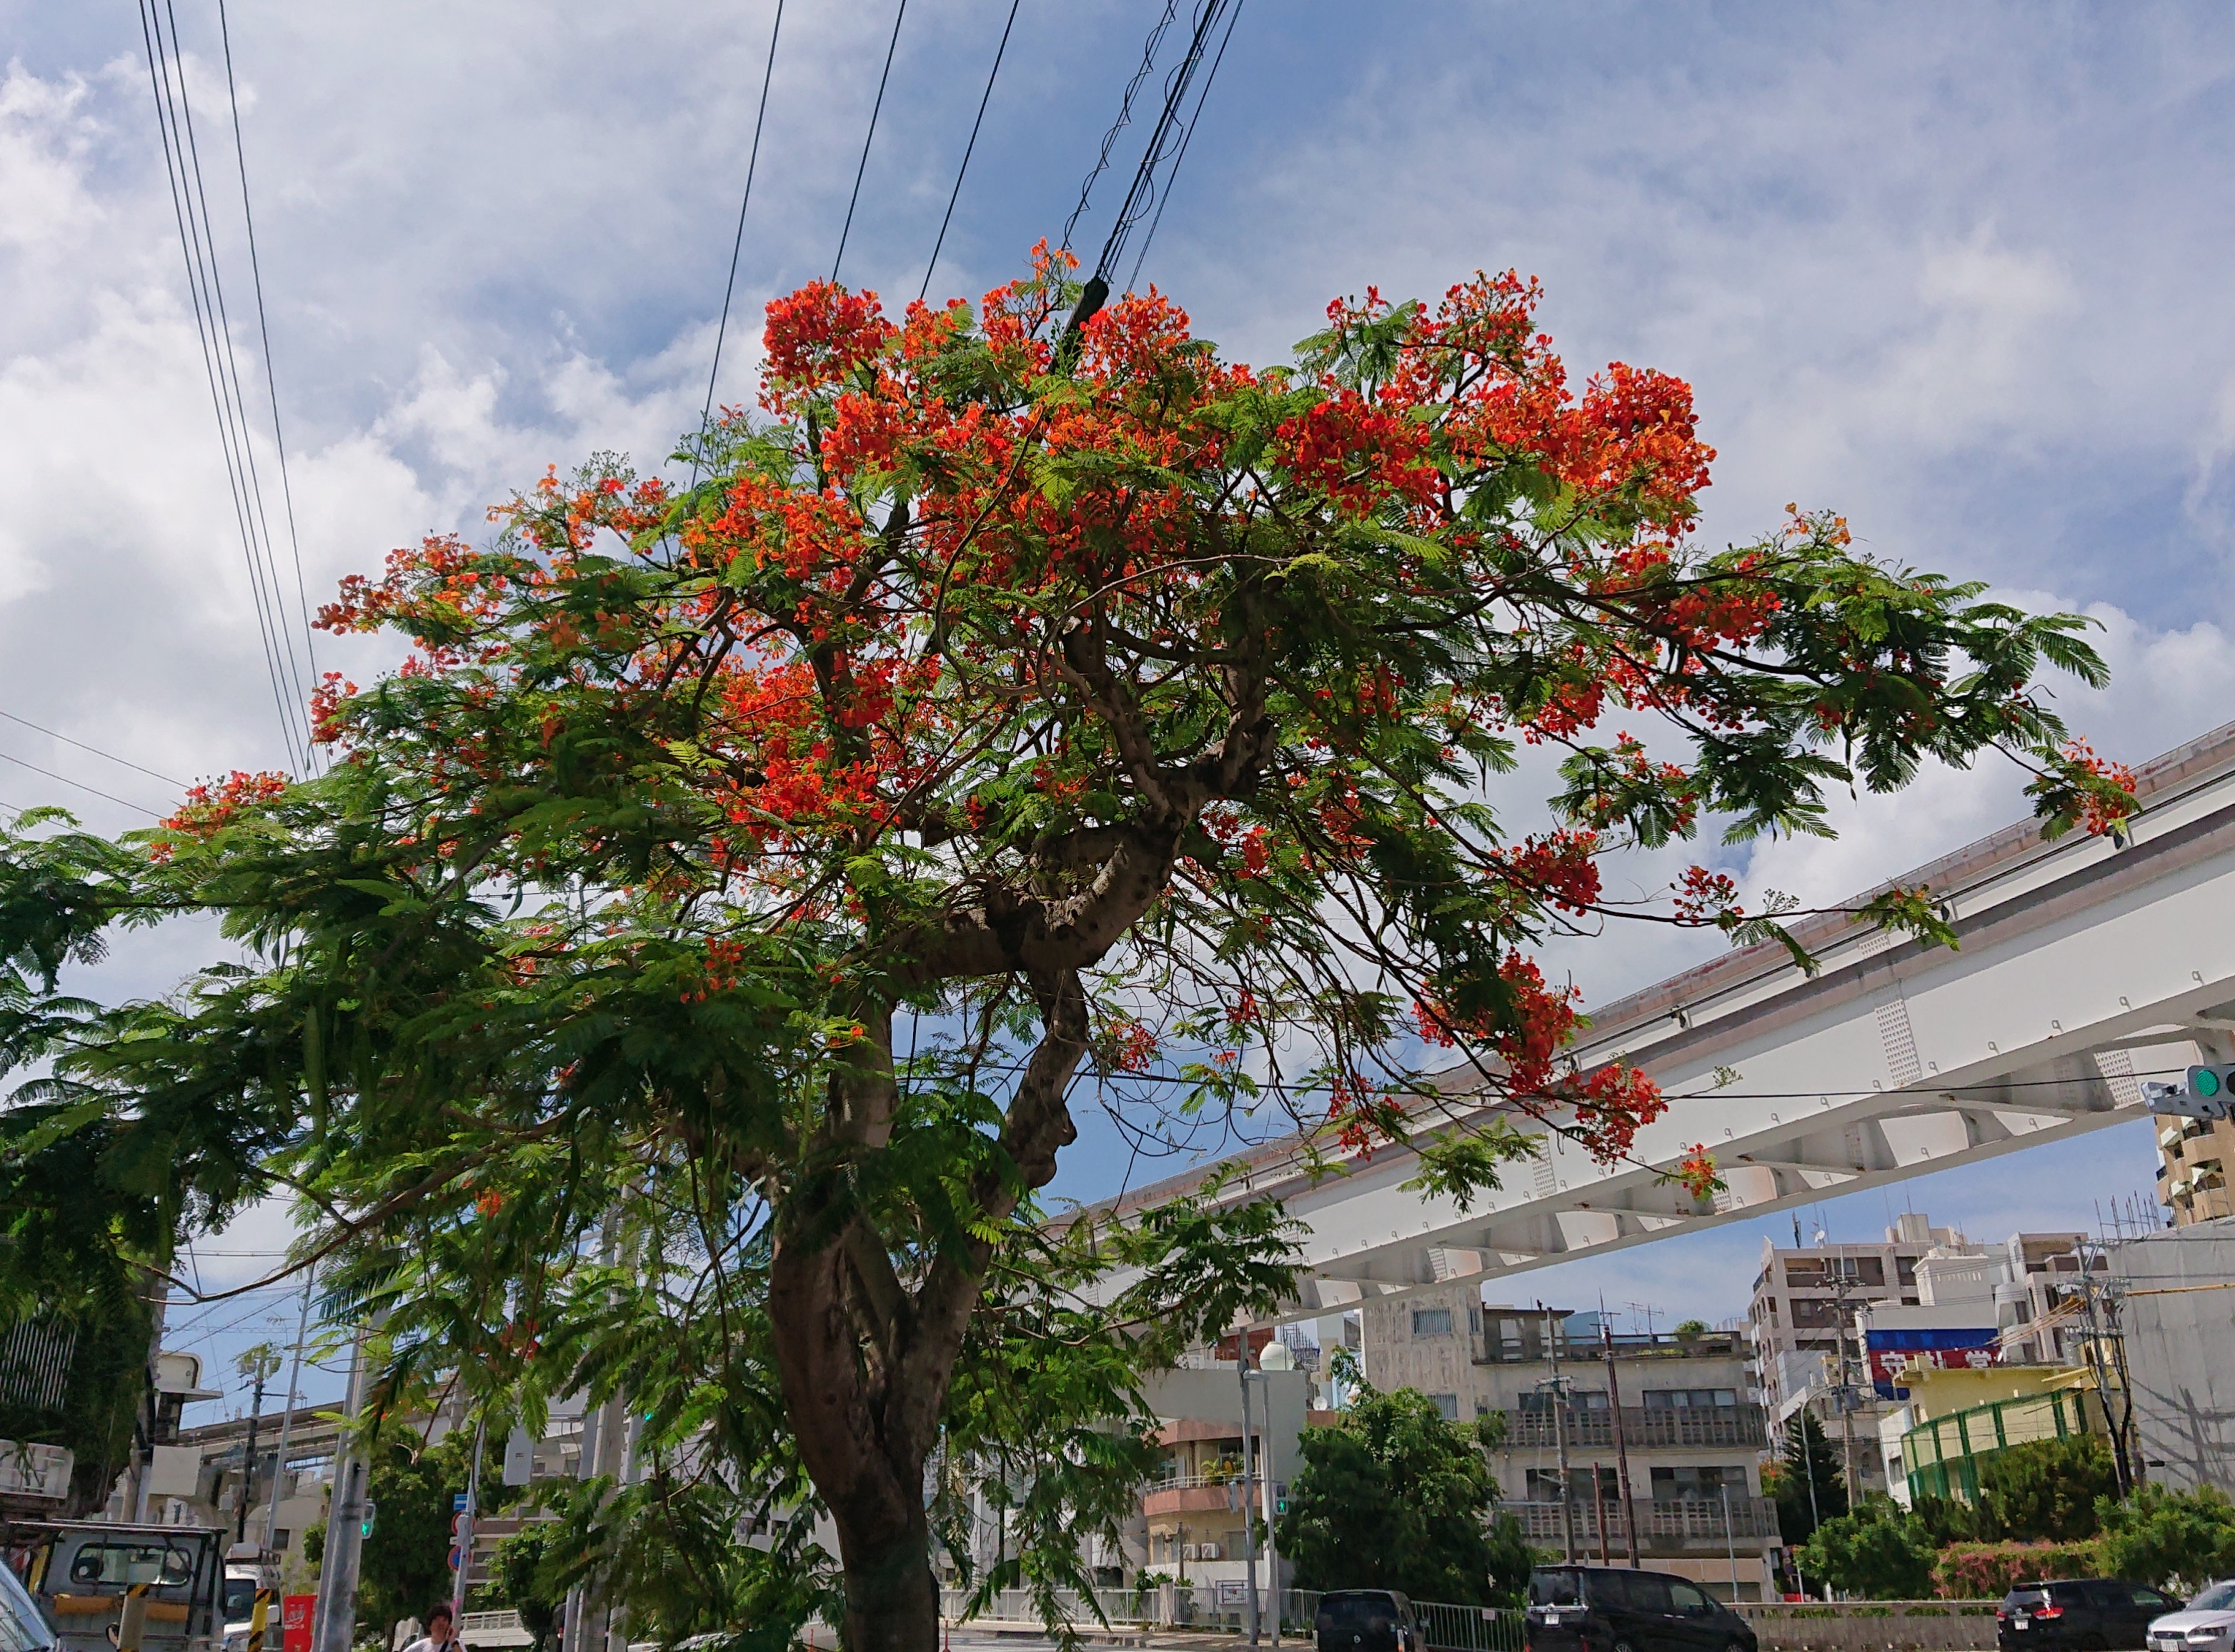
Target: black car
point(2096, 1614)
point(1614, 1609)
point(1365, 1620)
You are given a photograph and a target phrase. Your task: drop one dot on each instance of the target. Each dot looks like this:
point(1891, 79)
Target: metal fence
point(1673, 1520)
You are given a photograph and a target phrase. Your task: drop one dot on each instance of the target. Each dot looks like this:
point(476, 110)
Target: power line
point(968, 150)
point(190, 207)
point(80, 785)
point(271, 380)
point(891, 46)
point(1144, 190)
point(1163, 198)
point(1097, 287)
point(738, 245)
point(41, 728)
point(1125, 118)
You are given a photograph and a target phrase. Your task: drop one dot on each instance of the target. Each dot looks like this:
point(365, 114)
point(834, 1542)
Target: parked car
point(2205, 1624)
point(24, 1627)
point(1366, 1620)
point(2077, 1615)
point(1614, 1609)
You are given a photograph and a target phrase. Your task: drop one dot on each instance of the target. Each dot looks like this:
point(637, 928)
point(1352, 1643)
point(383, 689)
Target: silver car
point(2205, 1624)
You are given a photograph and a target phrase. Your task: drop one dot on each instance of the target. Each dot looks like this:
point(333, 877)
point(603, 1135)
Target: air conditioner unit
point(1188, 1551)
point(1211, 1551)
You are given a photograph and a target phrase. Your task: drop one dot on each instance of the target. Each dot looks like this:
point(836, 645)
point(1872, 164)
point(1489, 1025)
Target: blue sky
point(1959, 273)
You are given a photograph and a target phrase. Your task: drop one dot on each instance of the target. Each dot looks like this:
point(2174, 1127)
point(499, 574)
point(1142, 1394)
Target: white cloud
point(1948, 279)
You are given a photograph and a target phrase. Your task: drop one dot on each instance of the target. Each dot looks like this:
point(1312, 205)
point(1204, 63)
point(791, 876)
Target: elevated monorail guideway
point(2085, 966)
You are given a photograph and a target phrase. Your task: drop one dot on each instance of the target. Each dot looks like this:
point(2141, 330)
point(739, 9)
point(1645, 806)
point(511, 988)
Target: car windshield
point(22, 1627)
point(2216, 1597)
point(239, 1598)
point(2027, 1594)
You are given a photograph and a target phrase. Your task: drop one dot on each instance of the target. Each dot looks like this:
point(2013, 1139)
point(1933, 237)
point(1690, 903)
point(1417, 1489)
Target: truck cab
point(82, 1572)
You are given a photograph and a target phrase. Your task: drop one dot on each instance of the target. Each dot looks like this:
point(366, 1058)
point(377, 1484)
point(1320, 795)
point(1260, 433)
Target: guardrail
point(1873, 1626)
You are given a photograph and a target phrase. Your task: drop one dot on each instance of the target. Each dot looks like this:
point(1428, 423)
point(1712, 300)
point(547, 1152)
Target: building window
point(1818, 1313)
point(1579, 1400)
point(1689, 1399)
point(1448, 1404)
point(1544, 1484)
point(1431, 1321)
point(1694, 1483)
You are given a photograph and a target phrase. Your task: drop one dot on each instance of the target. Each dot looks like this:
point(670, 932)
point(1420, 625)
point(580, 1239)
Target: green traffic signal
point(2204, 1081)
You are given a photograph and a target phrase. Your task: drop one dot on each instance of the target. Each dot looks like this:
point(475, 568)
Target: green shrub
point(2045, 1489)
point(2161, 1537)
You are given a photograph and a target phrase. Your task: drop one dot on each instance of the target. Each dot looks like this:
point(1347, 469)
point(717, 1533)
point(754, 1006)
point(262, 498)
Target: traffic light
point(364, 1526)
point(2209, 1093)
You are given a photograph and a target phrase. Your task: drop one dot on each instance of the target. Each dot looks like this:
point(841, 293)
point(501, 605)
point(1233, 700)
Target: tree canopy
point(1393, 1497)
point(2045, 1489)
point(1877, 1551)
point(681, 975)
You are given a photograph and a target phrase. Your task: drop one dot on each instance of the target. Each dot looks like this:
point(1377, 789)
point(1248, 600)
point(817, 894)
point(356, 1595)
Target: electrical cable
point(1096, 288)
point(39, 728)
point(891, 46)
point(190, 207)
point(1164, 196)
point(968, 150)
point(80, 785)
point(738, 245)
point(271, 379)
point(263, 562)
point(1125, 118)
point(1137, 198)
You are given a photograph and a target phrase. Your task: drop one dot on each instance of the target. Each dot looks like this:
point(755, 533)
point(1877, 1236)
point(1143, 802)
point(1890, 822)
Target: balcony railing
point(1658, 1524)
point(1643, 1428)
point(1494, 1346)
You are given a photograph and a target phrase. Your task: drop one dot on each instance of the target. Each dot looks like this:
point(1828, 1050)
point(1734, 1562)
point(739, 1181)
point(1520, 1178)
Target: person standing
point(442, 1634)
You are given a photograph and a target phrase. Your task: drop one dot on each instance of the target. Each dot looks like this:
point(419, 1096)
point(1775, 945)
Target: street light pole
point(1248, 1536)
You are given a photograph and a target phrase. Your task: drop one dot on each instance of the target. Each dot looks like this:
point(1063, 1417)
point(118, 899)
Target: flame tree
point(679, 981)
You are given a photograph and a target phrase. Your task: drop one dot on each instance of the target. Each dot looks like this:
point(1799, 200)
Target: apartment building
point(2192, 1155)
point(1684, 1411)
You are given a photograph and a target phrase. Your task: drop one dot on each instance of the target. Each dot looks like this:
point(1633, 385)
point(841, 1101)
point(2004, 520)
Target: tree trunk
point(871, 1481)
point(892, 1599)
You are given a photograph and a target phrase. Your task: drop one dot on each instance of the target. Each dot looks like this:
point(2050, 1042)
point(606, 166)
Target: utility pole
point(333, 1620)
point(2120, 1460)
point(1621, 1446)
point(1266, 1470)
point(287, 1420)
point(1842, 1290)
point(1598, 1510)
point(153, 1410)
point(1730, 1547)
point(257, 1363)
point(1560, 1435)
point(1248, 1536)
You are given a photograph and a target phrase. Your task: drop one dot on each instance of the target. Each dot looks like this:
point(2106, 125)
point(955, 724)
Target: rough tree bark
point(865, 1362)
